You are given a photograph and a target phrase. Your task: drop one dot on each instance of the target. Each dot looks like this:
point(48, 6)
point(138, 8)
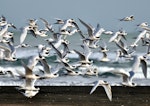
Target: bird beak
point(14, 27)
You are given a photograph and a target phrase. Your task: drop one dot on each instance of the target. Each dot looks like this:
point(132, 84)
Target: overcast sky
point(105, 12)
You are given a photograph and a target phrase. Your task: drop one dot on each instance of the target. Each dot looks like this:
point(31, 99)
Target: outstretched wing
point(107, 89)
point(94, 87)
point(144, 68)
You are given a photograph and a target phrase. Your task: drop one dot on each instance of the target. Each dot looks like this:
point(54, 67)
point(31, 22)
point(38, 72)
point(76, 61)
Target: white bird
point(143, 24)
point(93, 34)
point(71, 72)
point(114, 37)
point(91, 72)
point(98, 32)
point(104, 48)
point(148, 51)
point(59, 21)
point(33, 60)
point(29, 84)
point(140, 60)
point(5, 28)
point(30, 79)
point(139, 37)
point(61, 56)
point(36, 32)
point(32, 22)
point(118, 55)
point(104, 58)
point(24, 33)
point(128, 18)
point(128, 76)
point(8, 53)
point(47, 25)
point(92, 43)
point(68, 66)
point(67, 23)
point(29, 73)
point(56, 40)
point(68, 32)
point(86, 50)
point(3, 21)
point(23, 45)
point(84, 59)
point(106, 87)
point(49, 72)
point(117, 36)
point(125, 52)
point(30, 93)
point(108, 32)
point(8, 36)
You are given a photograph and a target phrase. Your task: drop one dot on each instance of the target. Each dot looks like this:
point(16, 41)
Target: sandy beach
point(77, 96)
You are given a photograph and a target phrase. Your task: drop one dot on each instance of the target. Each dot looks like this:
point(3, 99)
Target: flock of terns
point(67, 28)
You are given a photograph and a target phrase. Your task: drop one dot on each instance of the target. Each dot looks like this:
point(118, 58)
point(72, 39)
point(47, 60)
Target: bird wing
point(5, 48)
point(7, 51)
point(78, 29)
point(59, 20)
point(47, 25)
point(122, 49)
point(57, 68)
point(66, 50)
point(140, 36)
point(45, 66)
point(107, 89)
point(28, 71)
point(12, 48)
point(113, 37)
point(89, 27)
point(20, 73)
point(23, 35)
point(94, 87)
point(82, 56)
point(56, 50)
point(144, 67)
point(33, 32)
point(104, 54)
point(120, 72)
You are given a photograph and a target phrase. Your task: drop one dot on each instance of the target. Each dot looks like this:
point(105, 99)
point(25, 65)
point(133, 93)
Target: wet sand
point(77, 96)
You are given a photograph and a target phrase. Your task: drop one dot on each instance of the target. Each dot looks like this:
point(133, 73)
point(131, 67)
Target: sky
point(105, 12)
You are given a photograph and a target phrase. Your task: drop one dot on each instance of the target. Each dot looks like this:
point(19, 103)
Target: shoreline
point(77, 95)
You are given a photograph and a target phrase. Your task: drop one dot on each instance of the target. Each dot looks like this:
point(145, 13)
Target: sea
point(84, 83)
point(75, 42)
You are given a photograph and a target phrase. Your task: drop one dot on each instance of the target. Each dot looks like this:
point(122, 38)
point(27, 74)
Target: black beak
point(14, 27)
